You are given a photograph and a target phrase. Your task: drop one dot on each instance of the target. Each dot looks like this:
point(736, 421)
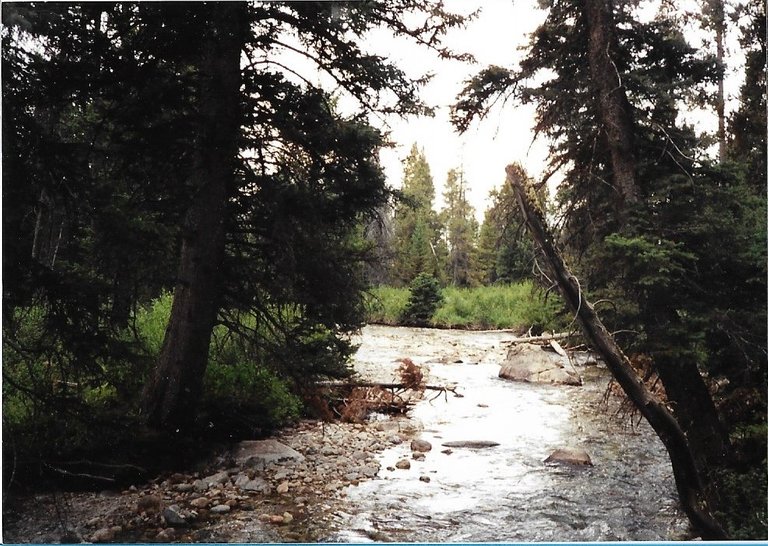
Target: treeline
point(414, 238)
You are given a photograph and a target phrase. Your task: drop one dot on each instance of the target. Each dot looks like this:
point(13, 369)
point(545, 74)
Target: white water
point(507, 492)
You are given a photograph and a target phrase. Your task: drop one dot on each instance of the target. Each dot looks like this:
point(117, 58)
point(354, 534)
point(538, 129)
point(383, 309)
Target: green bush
point(423, 301)
point(520, 305)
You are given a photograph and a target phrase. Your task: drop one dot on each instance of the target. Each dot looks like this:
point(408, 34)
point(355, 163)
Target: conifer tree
point(458, 217)
point(417, 243)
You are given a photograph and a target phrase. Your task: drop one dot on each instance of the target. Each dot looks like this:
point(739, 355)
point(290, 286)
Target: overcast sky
point(493, 38)
point(487, 147)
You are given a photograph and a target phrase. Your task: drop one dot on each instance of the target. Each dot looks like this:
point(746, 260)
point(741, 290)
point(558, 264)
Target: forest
point(193, 228)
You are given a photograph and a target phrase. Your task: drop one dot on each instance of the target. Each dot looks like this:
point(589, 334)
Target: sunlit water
point(507, 492)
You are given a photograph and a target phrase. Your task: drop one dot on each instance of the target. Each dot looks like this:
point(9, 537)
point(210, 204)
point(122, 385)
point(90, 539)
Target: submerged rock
point(532, 364)
point(575, 456)
point(471, 444)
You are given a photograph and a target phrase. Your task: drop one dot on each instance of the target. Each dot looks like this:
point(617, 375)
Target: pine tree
point(417, 244)
point(458, 217)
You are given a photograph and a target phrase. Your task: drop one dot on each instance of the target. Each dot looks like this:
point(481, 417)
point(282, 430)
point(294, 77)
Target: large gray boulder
point(533, 364)
point(260, 453)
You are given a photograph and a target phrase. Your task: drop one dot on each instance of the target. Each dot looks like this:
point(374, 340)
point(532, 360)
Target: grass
point(514, 306)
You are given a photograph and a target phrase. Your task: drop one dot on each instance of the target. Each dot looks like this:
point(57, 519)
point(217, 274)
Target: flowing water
point(507, 492)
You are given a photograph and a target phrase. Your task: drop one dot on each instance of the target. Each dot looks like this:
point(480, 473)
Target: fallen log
point(687, 477)
point(387, 386)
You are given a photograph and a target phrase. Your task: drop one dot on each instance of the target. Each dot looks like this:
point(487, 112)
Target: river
point(507, 493)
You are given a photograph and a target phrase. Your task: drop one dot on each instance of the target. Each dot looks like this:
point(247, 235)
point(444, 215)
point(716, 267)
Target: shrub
point(423, 301)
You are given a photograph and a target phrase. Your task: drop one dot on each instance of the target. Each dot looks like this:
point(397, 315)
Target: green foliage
point(461, 228)
point(424, 298)
point(417, 246)
point(743, 495)
point(385, 304)
point(515, 306)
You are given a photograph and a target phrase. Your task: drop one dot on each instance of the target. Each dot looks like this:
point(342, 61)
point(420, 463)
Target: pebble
point(149, 503)
point(425, 479)
point(166, 535)
point(283, 488)
point(418, 456)
point(403, 464)
point(287, 517)
point(221, 509)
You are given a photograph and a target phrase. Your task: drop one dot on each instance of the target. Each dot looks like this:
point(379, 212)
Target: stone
point(106, 534)
point(530, 363)
point(420, 445)
point(370, 470)
point(283, 488)
point(394, 438)
point(403, 464)
point(260, 453)
point(287, 517)
point(471, 444)
point(276, 518)
point(447, 451)
point(574, 456)
point(219, 478)
point(172, 516)
point(419, 456)
point(259, 485)
point(221, 509)
point(148, 503)
point(184, 487)
point(166, 535)
point(425, 479)
point(200, 486)
point(200, 502)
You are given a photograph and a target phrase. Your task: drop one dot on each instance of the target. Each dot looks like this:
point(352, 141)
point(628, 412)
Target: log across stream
point(506, 492)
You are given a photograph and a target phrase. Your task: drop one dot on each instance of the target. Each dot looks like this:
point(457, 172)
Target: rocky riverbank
point(283, 489)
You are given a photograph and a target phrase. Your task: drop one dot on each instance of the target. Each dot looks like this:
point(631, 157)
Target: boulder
point(574, 456)
point(532, 364)
point(260, 453)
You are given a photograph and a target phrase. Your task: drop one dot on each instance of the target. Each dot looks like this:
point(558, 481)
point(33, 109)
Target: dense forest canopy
point(194, 207)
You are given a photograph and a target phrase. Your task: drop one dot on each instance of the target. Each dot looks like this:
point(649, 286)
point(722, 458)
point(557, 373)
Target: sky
point(506, 136)
point(487, 147)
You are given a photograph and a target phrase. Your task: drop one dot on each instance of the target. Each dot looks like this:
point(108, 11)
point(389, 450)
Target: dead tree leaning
point(687, 477)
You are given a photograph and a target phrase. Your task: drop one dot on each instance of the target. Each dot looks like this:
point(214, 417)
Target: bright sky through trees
point(506, 136)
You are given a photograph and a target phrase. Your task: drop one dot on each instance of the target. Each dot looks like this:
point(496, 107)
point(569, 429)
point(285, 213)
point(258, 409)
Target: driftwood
point(687, 477)
point(386, 386)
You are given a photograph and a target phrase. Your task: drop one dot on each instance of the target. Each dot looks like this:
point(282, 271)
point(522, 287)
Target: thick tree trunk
point(687, 477)
point(172, 394)
point(615, 110)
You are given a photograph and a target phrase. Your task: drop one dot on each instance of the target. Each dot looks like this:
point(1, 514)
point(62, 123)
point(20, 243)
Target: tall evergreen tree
point(143, 126)
point(461, 228)
point(417, 245)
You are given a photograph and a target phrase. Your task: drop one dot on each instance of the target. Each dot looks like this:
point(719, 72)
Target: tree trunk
point(614, 108)
point(687, 477)
point(172, 393)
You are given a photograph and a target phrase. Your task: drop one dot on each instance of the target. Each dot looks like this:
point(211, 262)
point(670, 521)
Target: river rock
point(148, 503)
point(221, 509)
point(573, 456)
point(107, 534)
point(532, 364)
point(200, 502)
point(173, 517)
point(283, 488)
point(471, 444)
point(257, 484)
point(418, 456)
point(403, 464)
point(213, 480)
point(420, 445)
point(260, 453)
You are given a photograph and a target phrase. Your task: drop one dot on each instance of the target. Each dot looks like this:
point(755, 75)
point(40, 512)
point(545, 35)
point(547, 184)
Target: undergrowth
point(510, 306)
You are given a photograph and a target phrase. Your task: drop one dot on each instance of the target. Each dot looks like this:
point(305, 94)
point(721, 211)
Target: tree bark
point(171, 396)
point(687, 477)
point(615, 110)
